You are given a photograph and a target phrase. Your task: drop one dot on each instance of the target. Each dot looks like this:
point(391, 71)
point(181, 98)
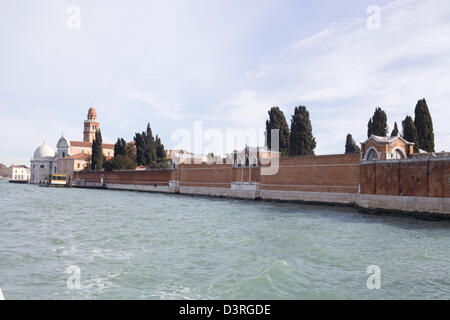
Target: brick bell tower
point(91, 125)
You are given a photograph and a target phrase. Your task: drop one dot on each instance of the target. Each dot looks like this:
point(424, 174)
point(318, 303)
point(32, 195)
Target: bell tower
point(91, 125)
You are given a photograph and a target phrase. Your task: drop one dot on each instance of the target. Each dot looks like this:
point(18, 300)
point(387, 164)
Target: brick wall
point(325, 174)
point(412, 178)
point(147, 177)
point(331, 173)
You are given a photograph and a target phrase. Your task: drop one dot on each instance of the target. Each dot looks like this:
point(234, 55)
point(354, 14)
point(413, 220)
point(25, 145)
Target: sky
point(220, 65)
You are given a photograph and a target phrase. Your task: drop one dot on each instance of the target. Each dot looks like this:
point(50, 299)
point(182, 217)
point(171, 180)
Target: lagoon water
point(130, 245)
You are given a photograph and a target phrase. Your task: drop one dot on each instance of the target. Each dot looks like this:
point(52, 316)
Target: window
point(78, 166)
point(397, 155)
point(64, 154)
point(372, 155)
point(42, 166)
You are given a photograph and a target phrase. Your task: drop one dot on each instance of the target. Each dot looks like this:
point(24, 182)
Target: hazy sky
point(224, 63)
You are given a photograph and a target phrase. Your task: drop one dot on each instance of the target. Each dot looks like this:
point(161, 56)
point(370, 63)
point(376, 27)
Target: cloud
point(347, 70)
point(167, 106)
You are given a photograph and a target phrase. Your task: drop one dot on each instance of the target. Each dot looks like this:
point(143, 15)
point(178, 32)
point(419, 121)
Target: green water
point(130, 245)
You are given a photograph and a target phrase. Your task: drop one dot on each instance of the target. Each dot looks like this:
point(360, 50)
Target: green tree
point(97, 157)
point(395, 132)
point(377, 124)
point(160, 151)
point(350, 145)
point(410, 132)
point(301, 140)
point(149, 147)
point(278, 121)
point(120, 148)
point(140, 149)
point(424, 125)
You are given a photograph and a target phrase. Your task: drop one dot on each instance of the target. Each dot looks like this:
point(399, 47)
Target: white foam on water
point(2, 297)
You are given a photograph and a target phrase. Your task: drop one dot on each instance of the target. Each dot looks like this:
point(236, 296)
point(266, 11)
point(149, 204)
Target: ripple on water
point(155, 246)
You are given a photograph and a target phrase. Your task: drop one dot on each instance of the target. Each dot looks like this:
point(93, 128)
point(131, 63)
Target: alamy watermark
point(374, 280)
point(234, 141)
point(73, 21)
point(74, 280)
point(374, 20)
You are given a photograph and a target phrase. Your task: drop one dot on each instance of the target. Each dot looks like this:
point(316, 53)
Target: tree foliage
point(350, 145)
point(301, 140)
point(410, 132)
point(377, 124)
point(395, 132)
point(97, 157)
point(278, 121)
point(150, 152)
point(424, 126)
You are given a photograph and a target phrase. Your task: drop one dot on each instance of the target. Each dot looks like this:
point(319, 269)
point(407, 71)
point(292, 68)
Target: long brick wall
point(400, 185)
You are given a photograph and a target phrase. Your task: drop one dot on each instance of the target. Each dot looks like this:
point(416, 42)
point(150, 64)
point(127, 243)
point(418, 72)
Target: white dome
point(44, 151)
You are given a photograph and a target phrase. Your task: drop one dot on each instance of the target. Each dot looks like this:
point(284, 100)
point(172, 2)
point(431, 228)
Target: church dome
point(62, 143)
point(44, 151)
point(92, 114)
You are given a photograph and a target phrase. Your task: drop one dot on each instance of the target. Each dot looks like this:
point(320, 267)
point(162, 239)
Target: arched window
point(397, 154)
point(372, 155)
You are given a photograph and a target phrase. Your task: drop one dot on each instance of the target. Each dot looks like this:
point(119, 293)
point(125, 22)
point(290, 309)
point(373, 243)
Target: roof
point(79, 156)
point(43, 152)
point(387, 139)
point(89, 145)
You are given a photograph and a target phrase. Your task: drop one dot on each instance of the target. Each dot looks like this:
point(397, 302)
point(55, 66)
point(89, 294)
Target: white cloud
point(167, 106)
point(355, 70)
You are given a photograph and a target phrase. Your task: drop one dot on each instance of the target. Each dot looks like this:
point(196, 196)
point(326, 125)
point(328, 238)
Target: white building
point(44, 163)
point(20, 173)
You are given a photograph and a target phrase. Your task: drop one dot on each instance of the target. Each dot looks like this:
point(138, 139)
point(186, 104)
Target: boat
point(55, 180)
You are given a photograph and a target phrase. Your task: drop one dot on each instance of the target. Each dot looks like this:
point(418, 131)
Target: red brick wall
point(147, 177)
point(335, 173)
point(411, 178)
point(331, 173)
point(204, 175)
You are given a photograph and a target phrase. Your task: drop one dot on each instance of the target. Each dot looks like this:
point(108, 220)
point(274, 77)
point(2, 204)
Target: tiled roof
point(79, 156)
point(89, 144)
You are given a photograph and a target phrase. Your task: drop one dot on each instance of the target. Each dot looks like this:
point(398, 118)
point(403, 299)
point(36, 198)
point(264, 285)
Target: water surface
point(131, 245)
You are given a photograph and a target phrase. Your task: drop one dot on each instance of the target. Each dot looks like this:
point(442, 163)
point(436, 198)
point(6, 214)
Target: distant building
point(15, 172)
point(70, 155)
point(44, 163)
point(20, 173)
point(386, 148)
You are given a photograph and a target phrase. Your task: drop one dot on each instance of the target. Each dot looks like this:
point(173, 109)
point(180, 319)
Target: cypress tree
point(395, 132)
point(424, 126)
point(278, 121)
point(160, 151)
point(140, 149)
point(410, 132)
point(97, 157)
point(350, 145)
point(377, 124)
point(301, 140)
point(120, 148)
point(149, 146)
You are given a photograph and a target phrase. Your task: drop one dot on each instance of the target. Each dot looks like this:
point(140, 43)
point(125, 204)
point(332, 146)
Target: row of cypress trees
point(296, 141)
point(148, 151)
point(419, 130)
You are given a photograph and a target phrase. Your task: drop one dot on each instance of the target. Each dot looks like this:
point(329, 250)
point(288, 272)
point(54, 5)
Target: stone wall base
point(377, 204)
